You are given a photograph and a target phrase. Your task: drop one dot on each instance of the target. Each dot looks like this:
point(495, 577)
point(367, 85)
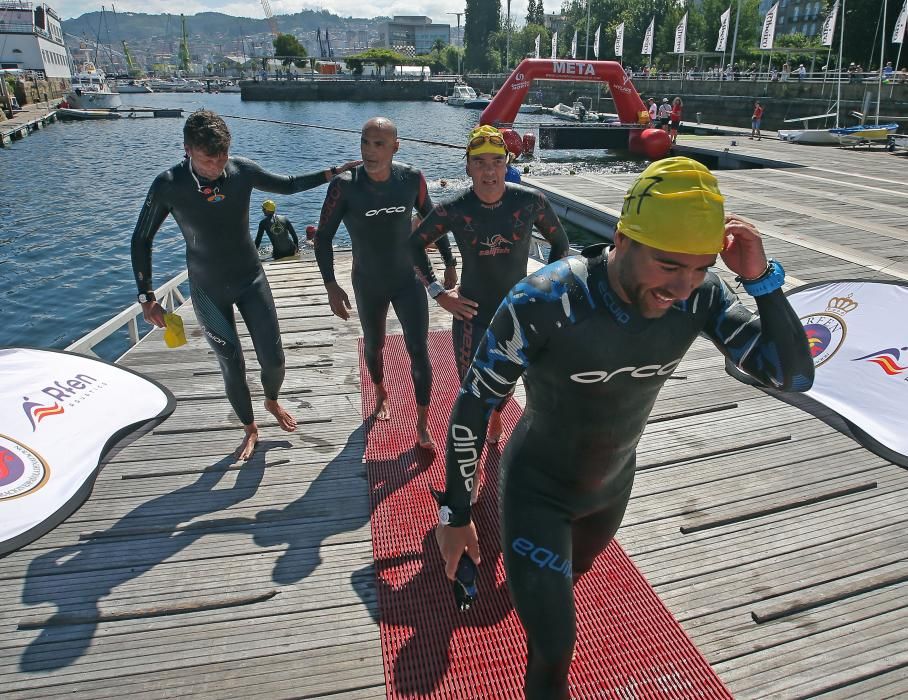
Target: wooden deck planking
point(301, 526)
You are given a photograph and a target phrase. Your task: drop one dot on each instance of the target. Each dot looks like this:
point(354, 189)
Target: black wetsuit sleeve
point(431, 229)
point(153, 213)
point(332, 214)
point(517, 334)
point(549, 225)
point(282, 184)
point(770, 346)
point(260, 233)
point(292, 232)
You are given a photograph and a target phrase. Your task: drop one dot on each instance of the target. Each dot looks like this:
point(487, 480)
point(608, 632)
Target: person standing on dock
point(208, 195)
point(284, 242)
point(492, 223)
point(674, 117)
point(376, 202)
point(595, 338)
point(755, 120)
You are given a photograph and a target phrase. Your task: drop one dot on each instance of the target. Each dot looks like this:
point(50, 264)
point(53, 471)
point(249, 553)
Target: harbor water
point(70, 195)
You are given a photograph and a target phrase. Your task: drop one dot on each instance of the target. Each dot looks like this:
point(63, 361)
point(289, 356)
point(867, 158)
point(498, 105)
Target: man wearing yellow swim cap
point(595, 337)
point(672, 227)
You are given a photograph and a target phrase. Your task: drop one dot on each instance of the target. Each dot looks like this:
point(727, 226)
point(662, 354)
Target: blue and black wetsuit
point(281, 233)
point(378, 217)
point(223, 264)
point(592, 368)
point(494, 243)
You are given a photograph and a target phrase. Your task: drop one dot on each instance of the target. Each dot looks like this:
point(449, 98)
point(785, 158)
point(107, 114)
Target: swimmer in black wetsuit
point(376, 203)
point(493, 224)
point(208, 195)
point(596, 337)
point(281, 233)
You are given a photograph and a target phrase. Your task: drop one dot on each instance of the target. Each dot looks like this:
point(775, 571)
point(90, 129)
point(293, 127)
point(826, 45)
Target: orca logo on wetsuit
point(386, 210)
point(644, 372)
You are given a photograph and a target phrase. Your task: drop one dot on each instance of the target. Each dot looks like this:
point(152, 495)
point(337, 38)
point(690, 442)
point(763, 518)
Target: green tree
point(531, 12)
point(482, 20)
point(451, 57)
point(438, 45)
point(523, 43)
point(380, 57)
point(288, 48)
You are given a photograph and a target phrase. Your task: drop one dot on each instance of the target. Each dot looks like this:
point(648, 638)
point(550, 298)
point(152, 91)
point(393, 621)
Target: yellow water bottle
point(174, 335)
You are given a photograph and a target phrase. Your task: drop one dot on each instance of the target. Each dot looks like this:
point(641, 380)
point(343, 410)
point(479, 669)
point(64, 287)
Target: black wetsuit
point(592, 369)
point(378, 217)
point(494, 242)
point(223, 263)
point(281, 234)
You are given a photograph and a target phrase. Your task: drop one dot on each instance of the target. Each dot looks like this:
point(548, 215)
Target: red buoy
point(651, 143)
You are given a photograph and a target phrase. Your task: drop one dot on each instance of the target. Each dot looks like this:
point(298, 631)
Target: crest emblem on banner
point(21, 470)
point(827, 329)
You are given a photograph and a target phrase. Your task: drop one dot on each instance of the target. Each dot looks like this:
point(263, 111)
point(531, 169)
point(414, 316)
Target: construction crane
point(131, 68)
point(266, 6)
point(184, 46)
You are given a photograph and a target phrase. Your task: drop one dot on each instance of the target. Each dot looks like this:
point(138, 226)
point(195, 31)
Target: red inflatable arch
point(653, 143)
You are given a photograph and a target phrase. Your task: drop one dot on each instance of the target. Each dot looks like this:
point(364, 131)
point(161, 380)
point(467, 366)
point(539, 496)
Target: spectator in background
point(802, 73)
point(887, 71)
point(665, 111)
point(653, 111)
point(786, 71)
point(755, 120)
point(675, 118)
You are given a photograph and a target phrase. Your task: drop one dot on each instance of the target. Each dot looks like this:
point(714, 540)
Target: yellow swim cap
point(486, 139)
point(675, 205)
point(269, 206)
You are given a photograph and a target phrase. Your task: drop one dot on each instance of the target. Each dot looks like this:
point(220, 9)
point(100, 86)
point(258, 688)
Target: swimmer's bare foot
point(247, 447)
point(382, 405)
point(493, 434)
point(284, 419)
point(423, 436)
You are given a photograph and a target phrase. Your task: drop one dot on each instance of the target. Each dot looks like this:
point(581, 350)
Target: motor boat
point(479, 102)
point(461, 94)
point(530, 109)
point(132, 86)
point(86, 114)
point(578, 112)
point(91, 91)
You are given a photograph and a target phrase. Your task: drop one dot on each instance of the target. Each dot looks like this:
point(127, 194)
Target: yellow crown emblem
point(841, 305)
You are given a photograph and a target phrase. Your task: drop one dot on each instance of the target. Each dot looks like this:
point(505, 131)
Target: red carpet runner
point(629, 645)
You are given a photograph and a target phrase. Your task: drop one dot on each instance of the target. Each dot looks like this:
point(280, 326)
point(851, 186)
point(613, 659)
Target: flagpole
point(507, 50)
point(734, 40)
point(895, 72)
point(586, 51)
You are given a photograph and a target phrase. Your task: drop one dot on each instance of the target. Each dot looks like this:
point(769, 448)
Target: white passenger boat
point(461, 94)
point(91, 91)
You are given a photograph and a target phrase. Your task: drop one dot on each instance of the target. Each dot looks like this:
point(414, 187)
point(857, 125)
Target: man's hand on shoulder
point(460, 307)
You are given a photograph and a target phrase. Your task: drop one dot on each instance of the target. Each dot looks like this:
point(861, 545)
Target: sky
point(435, 9)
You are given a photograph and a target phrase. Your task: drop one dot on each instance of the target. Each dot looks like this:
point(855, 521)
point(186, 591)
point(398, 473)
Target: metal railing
point(168, 295)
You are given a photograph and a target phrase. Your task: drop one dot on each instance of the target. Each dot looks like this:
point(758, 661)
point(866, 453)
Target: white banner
point(858, 335)
point(619, 40)
point(574, 45)
point(596, 42)
point(537, 45)
point(898, 33)
point(829, 26)
point(769, 27)
point(723, 30)
point(681, 35)
point(554, 46)
point(647, 49)
point(60, 413)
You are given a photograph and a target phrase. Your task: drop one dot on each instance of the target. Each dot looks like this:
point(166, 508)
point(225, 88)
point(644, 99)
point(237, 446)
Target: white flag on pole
point(647, 49)
point(596, 42)
point(554, 46)
point(829, 26)
point(723, 30)
point(681, 35)
point(574, 45)
point(619, 40)
point(537, 45)
point(898, 33)
point(769, 27)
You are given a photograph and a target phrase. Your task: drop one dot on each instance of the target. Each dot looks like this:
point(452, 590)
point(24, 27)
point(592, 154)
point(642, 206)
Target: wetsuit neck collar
point(199, 178)
point(488, 205)
point(378, 182)
point(622, 312)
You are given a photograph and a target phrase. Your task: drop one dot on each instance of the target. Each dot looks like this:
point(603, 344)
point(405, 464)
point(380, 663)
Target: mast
point(879, 80)
point(838, 96)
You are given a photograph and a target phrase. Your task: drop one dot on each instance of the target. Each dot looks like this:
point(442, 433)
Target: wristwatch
point(771, 280)
point(444, 515)
point(435, 289)
point(146, 296)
